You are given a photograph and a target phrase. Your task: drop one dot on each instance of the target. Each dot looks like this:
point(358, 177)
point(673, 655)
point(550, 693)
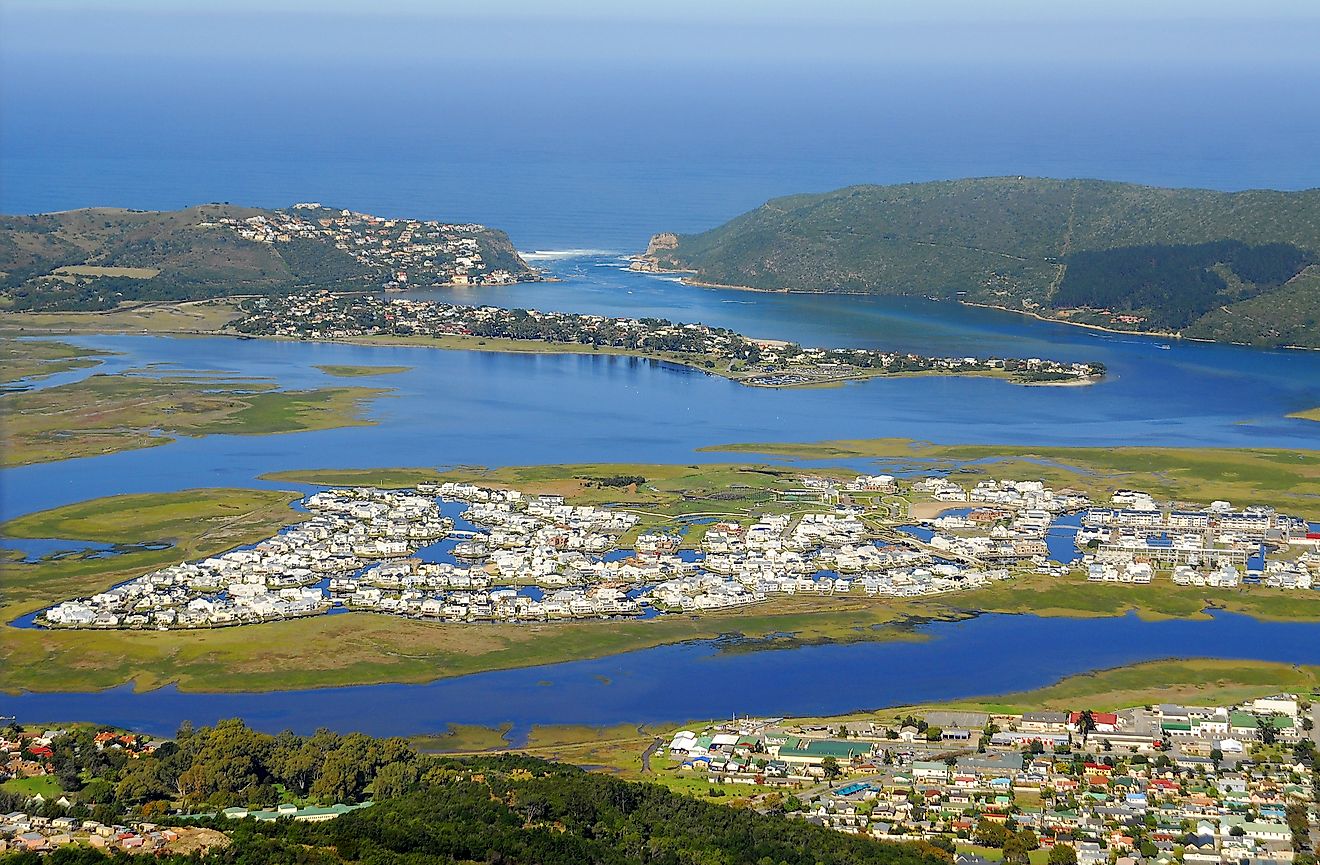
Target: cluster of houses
point(28, 754)
point(523, 558)
point(24, 832)
point(402, 252)
point(766, 363)
point(1198, 784)
point(538, 558)
point(282, 577)
point(1005, 522)
point(1218, 546)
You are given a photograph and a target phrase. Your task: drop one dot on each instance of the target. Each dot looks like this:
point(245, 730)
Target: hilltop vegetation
point(1237, 266)
point(510, 809)
point(97, 258)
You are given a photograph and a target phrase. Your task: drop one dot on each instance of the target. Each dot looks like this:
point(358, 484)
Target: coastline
point(698, 283)
point(12, 323)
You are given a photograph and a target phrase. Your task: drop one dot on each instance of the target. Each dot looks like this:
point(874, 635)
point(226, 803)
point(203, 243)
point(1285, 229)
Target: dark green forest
point(1175, 284)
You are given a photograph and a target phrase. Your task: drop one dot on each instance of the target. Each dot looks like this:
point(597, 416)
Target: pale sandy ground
point(929, 510)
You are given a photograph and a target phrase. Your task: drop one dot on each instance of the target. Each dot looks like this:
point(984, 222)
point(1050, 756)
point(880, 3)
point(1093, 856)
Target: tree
point(1086, 724)
point(394, 779)
point(831, 767)
point(97, 792)
point(1063, 854)
point(142, 782)
point(990, 834)
point(1015, 852)
point(1269, 733)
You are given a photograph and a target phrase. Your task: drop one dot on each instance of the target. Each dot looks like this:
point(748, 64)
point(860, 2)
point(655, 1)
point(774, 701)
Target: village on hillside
point(401, 252)
point(1200, 785)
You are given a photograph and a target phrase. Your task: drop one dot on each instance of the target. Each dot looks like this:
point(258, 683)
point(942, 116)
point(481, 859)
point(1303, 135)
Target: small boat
point(1164, 345)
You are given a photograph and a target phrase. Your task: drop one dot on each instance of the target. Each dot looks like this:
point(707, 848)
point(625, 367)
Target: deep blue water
point(498, 409)
point(989, 654)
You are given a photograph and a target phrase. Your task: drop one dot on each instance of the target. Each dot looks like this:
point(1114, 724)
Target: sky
point(675, 114)
point(703, 31)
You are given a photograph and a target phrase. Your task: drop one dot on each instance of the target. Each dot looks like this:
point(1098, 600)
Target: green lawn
point(994, 854)
point(46, 785)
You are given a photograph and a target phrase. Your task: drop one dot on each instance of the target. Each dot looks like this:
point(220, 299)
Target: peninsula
point(717, 350)
point(1237, 267)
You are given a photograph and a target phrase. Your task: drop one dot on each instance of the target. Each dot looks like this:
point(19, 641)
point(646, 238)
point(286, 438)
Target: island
point(537, 564)
point(151, 406)
point(720, 351)
point(1237, 267)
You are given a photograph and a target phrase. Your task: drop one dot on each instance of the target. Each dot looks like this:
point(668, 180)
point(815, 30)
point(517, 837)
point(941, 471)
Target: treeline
point(1173, 285)
point(519, 810)
point(508, 809)
point(226, 765)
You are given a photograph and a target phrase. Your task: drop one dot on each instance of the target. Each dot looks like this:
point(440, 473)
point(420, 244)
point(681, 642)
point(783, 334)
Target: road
point(646, 756)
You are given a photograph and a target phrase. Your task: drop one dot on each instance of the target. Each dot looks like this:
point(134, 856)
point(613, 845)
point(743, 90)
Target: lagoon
point(987, 654)
point(461, 407)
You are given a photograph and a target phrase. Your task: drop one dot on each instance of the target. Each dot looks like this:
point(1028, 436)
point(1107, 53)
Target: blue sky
point(508, 110)
point(704, 31)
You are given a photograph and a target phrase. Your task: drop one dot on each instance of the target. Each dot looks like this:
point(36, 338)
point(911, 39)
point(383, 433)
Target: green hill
point(1241, 266)
point(99, 257)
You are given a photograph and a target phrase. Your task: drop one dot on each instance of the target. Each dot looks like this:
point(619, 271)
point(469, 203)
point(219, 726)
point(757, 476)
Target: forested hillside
point(1210, 264)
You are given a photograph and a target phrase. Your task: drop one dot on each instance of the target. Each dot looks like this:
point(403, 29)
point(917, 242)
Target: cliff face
point(659, 253)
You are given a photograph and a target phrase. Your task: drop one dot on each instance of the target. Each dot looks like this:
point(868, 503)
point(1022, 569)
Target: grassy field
point(729, 491)
point(190, 317)
point(38, 358)
point(464, 739)
point(104, 414)
point(98, 270)
point(1288, 479)
point(994, 854)
point(349, 371)
point(46, 785)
